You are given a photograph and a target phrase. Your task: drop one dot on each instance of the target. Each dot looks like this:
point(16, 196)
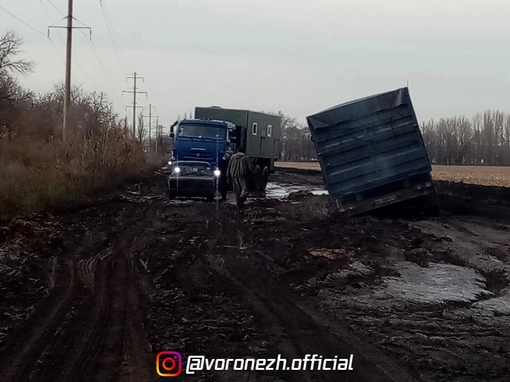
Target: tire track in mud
point(114, 345)
point(32, 340)
point(90, 326)
point(299, 329)
point(29, 341)
point(305, 332)
point(83, 343)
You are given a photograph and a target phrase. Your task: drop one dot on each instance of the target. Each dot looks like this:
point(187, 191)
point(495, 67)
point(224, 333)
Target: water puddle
point(500, 305)
point(438, 283)
point(283, 190)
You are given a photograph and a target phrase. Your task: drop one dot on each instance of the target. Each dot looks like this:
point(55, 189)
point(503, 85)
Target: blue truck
point(216, 131)
point(202, 140)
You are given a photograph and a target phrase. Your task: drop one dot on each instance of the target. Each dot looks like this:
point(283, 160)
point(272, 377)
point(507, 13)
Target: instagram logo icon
point(169, 364)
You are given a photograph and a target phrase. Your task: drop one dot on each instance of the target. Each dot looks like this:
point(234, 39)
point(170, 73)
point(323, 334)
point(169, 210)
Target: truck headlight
point(169, 162)
point(217, 173)
point(177, 170)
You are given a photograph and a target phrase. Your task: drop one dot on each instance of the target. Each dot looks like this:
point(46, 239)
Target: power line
point(104, 70)
point(48, 37)
point(58, 52)
point(91, 44)
point(45, 9)
point(74, 60)
point(21, 21)
point(96, 53)
point(85, 73)
point(54, 6)
point(113, 36)
point(109, 26)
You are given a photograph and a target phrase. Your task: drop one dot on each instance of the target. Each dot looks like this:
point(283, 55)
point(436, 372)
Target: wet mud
point(95, 294)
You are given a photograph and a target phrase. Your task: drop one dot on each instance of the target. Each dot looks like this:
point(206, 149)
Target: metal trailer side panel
point(261, 141)
point(368, 143)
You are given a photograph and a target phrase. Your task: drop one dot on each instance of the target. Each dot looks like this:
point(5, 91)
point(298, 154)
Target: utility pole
point(157, 133)
point(150, 116)
point(134, 92)
point(67, 86)
point(67, 99)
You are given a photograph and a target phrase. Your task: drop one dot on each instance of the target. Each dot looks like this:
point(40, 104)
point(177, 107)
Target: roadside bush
point(44, 173)
point(37, 170)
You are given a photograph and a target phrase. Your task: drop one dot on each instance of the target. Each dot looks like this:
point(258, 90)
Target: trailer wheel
point(433, 211)
point(431, 205)
point(257, 178)
point(265, 177)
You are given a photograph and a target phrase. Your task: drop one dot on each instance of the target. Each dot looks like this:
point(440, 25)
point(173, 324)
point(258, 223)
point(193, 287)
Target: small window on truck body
point(254, 129)
point(269, 130)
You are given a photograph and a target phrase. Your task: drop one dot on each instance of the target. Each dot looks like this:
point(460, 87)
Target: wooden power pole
point(67, 86)
point(150, 116)
point(67, 97)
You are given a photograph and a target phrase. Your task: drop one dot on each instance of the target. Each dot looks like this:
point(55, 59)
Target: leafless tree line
point(296, 143)
point(481, 140)
point(23, 112)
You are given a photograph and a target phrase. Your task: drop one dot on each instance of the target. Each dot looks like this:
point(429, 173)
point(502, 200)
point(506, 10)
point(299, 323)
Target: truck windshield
point(201, 131)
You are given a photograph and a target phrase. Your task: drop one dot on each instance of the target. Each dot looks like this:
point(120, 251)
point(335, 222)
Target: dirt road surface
point(96, 294)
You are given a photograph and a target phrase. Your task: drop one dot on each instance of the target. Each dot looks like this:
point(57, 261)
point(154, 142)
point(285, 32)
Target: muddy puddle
point(283, 190)
point(436, 284)
point(277, 190)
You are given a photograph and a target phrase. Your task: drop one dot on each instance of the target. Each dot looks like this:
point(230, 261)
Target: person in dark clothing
point(222, 181)
point(238, 170)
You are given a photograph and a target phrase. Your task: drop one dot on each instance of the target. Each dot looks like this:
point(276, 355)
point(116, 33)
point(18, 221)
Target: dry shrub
point(43, 173)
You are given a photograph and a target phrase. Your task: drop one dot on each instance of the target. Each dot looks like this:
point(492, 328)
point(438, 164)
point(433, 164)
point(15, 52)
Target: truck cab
point(202, 140)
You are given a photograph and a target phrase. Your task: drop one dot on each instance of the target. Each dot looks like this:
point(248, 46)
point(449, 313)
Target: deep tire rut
point(89, 327)
point(28, 345)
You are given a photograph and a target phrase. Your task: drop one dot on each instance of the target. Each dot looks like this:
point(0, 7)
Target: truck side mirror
point(172, 134)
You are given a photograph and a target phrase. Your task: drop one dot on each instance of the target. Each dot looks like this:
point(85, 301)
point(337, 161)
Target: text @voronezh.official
point(170, 364)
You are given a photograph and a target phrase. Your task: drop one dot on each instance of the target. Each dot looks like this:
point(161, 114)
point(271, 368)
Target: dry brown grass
point(482, 175)
point(300, 165)
point(37, 175)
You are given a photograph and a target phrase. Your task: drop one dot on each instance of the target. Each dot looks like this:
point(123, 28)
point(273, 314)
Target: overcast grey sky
point(292, 55)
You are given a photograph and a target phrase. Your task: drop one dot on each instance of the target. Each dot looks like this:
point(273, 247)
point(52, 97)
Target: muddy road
point(96, 294)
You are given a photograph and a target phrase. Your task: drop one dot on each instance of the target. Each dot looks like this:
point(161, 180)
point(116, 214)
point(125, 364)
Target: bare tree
point(10, 45)
point(481, 140)
point(12, 96)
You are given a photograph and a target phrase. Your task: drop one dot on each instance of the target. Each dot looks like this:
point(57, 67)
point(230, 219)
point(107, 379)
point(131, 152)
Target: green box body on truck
point(260, 133)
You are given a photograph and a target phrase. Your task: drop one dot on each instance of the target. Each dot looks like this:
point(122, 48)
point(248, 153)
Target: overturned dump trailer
point(372, 154)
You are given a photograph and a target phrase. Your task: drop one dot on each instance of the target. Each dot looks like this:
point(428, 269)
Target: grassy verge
point(44, 175)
